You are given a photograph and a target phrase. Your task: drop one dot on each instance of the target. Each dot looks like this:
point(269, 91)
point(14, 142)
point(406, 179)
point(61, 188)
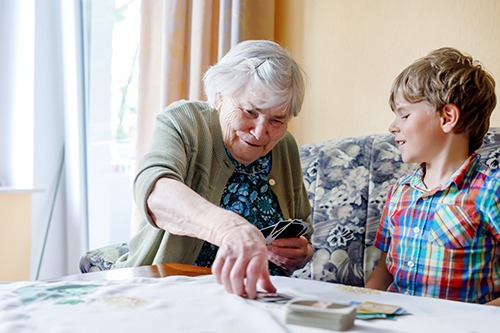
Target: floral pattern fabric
point(347, 181)
point(248, 194)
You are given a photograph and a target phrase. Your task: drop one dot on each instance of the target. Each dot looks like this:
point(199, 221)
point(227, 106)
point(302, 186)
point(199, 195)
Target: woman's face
point(250, 132)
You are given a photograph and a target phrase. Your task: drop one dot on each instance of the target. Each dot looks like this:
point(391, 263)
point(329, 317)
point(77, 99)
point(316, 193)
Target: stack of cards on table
point(285, 229)
point(321, 314)
point(372, 310)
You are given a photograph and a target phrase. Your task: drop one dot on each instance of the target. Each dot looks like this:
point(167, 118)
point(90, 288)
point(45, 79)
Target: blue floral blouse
point(248, 194)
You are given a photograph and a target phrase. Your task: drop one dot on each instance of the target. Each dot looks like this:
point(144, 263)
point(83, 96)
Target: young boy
point(440, 228)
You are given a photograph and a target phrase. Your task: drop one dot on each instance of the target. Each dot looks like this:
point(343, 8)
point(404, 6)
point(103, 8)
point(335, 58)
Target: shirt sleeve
point(493, 210)
point(383, 237)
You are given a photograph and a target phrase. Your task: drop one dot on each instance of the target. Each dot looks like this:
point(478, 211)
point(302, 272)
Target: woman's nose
point(260, 128)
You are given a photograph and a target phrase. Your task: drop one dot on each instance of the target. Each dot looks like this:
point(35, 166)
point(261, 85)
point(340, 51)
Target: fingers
point(291, 248)
point(252, 272)
point(241, 262)
point(295, 242)
point(289, 253)
point(242, 259)
point(229, 272)
point(217, 268)
point(242, 281)
point(258, 272)
point(266, 284)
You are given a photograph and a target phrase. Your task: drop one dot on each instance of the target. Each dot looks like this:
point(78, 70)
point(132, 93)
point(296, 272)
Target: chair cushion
point(103, 258)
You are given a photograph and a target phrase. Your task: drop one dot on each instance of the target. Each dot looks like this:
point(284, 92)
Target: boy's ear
point(449, 117)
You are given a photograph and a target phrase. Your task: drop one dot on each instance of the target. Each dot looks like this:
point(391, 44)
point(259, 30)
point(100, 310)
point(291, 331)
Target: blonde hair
point(446, 76)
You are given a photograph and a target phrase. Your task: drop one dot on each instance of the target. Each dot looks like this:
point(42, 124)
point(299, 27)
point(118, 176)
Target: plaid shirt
point(445, 242)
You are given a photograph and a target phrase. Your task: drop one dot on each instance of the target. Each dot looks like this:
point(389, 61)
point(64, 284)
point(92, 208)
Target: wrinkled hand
point(241, 261)
point(289, 253)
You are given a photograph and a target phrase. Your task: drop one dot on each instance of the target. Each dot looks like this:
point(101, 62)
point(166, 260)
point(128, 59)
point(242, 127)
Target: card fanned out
point(285, 229)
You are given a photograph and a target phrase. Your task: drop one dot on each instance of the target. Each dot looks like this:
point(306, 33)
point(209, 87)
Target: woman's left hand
point(290, 253)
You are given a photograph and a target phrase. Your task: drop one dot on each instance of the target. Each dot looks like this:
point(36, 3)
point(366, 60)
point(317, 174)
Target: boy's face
point(417, 130)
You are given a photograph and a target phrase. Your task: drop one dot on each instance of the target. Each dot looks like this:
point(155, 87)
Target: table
point(177, 303)
point(152, 271)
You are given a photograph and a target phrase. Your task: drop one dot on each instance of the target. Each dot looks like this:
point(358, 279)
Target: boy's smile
point(400, 142)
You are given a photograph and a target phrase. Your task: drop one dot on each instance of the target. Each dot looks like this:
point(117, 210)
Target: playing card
point(372, 307)
point(277, 298)
point(285, 229)
point(371, 310)
point(295, 228)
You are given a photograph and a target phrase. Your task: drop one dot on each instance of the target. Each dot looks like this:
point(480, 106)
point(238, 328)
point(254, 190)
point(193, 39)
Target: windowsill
point(8, 189)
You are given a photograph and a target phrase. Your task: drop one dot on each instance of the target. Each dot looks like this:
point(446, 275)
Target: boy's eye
point(405, 116)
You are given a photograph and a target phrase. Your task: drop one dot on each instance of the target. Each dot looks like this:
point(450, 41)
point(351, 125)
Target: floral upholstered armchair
point(347, 181)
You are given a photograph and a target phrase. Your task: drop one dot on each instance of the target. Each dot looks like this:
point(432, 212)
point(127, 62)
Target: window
point(111, 34)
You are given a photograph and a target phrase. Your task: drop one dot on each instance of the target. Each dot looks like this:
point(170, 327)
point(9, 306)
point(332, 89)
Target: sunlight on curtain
point(59, 210)
point(35, 91)
point(75, 132)
point(180, 39)
point(17, 34)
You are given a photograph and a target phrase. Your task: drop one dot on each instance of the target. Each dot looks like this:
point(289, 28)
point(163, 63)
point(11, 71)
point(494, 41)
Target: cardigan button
point(272, 182)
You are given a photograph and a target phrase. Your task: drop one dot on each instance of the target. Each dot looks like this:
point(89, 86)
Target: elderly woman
point(219, 171)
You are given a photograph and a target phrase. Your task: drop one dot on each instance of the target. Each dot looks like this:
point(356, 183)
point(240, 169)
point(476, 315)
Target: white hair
point(266, 65)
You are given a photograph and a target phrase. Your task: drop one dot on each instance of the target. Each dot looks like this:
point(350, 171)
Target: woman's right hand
point(241, 261)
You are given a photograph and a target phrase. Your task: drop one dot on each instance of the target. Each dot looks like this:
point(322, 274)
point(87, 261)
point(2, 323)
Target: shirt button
point(272, 182)
point(416, 230)
point(411, 264)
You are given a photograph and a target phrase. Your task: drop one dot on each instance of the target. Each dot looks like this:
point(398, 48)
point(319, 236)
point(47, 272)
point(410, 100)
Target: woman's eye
point(405, 116)
point(276, 122)
point(249, 112)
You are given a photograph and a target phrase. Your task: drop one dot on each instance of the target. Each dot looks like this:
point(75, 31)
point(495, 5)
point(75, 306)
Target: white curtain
point(41, 126)
point(59, 210)
point(16, 92)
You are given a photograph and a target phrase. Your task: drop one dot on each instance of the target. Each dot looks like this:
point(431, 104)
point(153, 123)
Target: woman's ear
point(449, 117)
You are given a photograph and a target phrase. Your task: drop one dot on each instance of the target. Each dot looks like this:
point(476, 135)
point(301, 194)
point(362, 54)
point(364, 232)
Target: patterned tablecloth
point(186, 304)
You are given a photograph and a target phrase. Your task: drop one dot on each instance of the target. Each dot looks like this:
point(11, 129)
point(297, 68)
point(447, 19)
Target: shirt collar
point(460, 178)
point(261, 165)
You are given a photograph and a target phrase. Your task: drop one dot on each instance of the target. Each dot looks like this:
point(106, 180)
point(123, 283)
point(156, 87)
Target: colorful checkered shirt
point(445, 242)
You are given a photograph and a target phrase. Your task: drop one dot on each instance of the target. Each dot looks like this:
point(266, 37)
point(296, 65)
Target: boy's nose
point(393, 128)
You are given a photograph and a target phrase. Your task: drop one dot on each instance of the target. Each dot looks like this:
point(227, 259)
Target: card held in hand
point(285, 229)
